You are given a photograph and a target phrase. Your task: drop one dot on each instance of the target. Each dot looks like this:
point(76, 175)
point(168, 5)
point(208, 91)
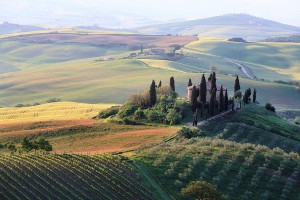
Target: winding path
point(213, 118)
point(236, 62)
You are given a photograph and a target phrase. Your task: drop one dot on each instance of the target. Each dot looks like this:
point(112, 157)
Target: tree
point(194, 104)
point(221, 100)
point(142, 48)
point(42, 144)
point(237, 84)
point(152, 94)
point(159, 84)
point(226, 100)
point(210, 77)
point(172, 83)
point(173, 116)
point(213, 82)
point(201, 190)
point(190, 83)
point(26, 144)
point(212, 102)
point(269, 107)
point(247, 96)
point(203, 91)
point(254, 95)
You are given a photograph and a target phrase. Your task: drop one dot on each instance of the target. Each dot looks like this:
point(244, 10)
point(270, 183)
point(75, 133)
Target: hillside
point(254, 124)
point(231, 25)
point(70, 128)
point(51, 111)
point(269, 61)
point(6, 28)
point(240, 171)
point(69, 177)
point(291, 38)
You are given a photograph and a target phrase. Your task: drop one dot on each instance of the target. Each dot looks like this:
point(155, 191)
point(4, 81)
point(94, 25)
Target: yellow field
point(161, 64)
point(51, 111)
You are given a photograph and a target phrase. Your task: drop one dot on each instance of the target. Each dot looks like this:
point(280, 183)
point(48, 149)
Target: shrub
point(155, 116)
point(269, 107)
point(201, 190)
point(51, 100)
point(140, 99)
point(173, 117)
point(109, 112)
point(189, 132)
point(167, 91)
point(126, 110)
point(139, 114)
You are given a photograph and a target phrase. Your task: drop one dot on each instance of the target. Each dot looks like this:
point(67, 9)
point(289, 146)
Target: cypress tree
point(202, 93)
point(237, 84)
point(159, 85)
point(221, 100)
point(172, 83)
point(194, 104)
point(213, 82)
point(226, 100)
point(212, 102)
point(203, 89)
point(210, 77)
point(190, 83)
point(152, 94)
point(254, 96)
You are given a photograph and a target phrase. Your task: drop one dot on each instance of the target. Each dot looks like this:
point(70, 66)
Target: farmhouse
point(208, 87)
point(157, 52)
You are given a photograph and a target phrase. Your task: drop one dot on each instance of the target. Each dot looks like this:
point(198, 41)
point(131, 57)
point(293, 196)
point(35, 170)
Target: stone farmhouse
point(208, 95)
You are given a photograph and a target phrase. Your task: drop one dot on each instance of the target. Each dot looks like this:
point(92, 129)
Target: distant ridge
point(6, 28)
point(228, 25)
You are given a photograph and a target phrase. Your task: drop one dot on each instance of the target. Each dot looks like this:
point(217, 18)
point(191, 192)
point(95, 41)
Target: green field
point(34, 72)
point(263, 58)
point(69, 177)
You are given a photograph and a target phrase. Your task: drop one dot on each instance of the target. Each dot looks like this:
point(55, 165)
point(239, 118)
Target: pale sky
point(42, 11)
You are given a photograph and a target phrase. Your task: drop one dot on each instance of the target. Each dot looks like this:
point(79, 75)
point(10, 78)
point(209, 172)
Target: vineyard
point(254, 125)
point(68, 177)
point(240, 171)
point(51, 111)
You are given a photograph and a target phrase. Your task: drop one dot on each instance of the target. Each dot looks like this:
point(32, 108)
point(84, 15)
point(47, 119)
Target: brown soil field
point(86, 135)
point(112, 142)
point(134, 39)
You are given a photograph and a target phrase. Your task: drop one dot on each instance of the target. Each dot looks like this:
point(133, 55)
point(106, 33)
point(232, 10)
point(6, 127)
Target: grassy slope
point(281, 58)
point(69, 177)
point(253, 124)
point(230, 166)
point(92, 82)
point(51, 111)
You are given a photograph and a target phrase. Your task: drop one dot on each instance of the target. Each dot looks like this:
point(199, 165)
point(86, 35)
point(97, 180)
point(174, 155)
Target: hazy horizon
point(128, 14)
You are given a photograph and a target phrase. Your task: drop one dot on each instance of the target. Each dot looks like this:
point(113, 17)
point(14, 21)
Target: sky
point(134, 12)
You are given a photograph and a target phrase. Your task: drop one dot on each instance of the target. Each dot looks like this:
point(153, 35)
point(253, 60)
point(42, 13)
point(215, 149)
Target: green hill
point(68, 177)
point(240, 171)
point(254, 124)
point(232, 25)
point(269, 61)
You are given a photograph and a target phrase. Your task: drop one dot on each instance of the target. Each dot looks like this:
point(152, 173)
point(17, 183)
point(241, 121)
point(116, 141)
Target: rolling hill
point(6, 28)
point(231, 25)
